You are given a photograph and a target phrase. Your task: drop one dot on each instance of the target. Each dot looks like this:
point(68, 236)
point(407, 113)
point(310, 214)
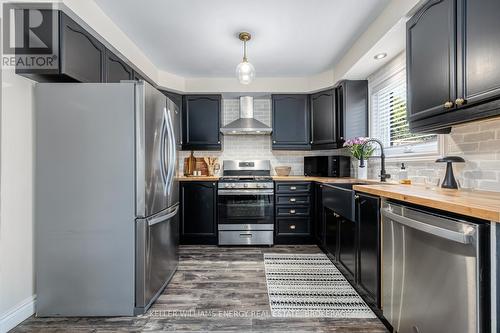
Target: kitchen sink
point(347, 186)
point(341, 198)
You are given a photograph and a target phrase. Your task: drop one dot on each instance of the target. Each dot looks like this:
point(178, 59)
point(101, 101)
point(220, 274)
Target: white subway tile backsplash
point(478, 143)
point(480, 136)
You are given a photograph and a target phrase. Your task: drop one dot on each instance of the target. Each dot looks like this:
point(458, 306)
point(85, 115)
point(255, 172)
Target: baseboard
point(18, 314)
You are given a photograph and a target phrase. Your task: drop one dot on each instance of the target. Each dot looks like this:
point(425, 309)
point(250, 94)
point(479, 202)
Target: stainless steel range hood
point(246, 123)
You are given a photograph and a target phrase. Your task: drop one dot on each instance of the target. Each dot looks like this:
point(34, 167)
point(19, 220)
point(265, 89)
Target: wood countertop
point(324, 180)
point(479, 204)
point(198, 178)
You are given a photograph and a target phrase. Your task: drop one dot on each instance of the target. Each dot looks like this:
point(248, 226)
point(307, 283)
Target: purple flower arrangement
point(358, 149)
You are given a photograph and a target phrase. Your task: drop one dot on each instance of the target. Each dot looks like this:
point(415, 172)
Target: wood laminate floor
point(214, 290)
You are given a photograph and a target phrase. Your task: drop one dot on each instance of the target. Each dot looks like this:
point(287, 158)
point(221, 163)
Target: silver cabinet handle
point(245, 192)
point(292, 227)
point(459, 237)
point(292, 211)
point(293, 199)
point(245, 235)
point(293, 188)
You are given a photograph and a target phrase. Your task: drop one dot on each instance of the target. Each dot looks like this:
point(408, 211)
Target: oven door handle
point(245, 192)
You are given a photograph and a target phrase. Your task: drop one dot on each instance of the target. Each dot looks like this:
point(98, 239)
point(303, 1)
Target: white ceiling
point(198, 38)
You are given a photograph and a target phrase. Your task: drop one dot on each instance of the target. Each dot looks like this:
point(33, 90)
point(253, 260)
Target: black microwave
point(327, 166)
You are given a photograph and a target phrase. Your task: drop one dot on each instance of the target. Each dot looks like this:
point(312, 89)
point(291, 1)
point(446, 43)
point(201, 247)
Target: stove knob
point(258, 185)
point(226, 185)
point(245, 185)
point(233, 186)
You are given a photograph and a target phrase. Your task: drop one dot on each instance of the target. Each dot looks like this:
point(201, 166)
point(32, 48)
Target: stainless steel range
point(246, 203)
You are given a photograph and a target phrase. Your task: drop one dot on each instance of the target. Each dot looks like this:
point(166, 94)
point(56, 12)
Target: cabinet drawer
point(282, 211)
point(293, 226)
point(255, 237)
point(293, 187)
point(292, 199)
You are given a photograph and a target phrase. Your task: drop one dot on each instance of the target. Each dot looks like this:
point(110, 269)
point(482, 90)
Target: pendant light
point(245, 70)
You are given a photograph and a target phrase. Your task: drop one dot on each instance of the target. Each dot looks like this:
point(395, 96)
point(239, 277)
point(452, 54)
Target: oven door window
point(246, 208)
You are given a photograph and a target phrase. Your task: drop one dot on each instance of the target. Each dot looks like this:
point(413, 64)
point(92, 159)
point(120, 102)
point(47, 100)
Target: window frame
point(399, 153)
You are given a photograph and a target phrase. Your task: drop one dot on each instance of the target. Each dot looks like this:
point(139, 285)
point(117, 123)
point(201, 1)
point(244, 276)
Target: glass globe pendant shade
point(245, 72)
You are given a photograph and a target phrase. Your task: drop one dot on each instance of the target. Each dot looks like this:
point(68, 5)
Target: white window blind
point(388, 113)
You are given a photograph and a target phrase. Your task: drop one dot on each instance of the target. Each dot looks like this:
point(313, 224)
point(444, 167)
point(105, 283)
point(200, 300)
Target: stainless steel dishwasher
point(433, 276)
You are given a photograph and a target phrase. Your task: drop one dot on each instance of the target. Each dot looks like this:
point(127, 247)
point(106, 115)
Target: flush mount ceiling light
point(245, 70)
point(380, 56)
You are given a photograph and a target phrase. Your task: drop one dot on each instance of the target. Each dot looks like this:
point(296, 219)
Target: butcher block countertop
point(479, 204)
point(324, 180)
point(198, 178)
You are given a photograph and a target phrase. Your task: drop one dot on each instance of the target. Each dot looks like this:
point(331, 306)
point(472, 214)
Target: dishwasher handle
point(456, 236)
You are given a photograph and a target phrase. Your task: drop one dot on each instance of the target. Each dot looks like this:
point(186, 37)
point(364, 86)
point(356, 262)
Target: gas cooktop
point(233, 179)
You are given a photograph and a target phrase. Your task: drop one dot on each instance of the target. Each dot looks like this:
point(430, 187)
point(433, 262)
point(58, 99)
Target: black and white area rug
point(309, 285)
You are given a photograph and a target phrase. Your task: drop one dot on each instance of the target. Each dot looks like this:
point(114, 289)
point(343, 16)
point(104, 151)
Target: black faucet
point(383, 175)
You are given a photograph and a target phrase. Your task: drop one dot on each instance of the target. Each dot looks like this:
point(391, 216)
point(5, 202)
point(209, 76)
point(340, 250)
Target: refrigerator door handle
point(172, 151)
point(162, 150)
point(167, 162)
point(166, 155)
point(163, 218)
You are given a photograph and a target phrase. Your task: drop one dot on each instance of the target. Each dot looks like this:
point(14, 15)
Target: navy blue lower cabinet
point(294, 213)
point(368, 225)
point(331, 240)
point(198, 212)
point(347, 249)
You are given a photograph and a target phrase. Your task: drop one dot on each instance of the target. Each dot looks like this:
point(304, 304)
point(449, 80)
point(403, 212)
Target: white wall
point(16, 200)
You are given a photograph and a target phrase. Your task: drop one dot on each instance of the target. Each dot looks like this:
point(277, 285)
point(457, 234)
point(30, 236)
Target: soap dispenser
point(403, 173)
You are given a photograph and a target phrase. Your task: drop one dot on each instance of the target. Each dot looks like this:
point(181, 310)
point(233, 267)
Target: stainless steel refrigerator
point(106, 197)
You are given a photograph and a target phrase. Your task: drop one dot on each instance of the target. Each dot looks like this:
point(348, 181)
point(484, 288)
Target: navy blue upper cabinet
point(291, 125)
point(479, 50)
point(116, 69)
point(453, 66)
point(352, 109)
point(324, 120)
point(81, 56)
point(339, 114)
point(431, 60)
point(201, 122)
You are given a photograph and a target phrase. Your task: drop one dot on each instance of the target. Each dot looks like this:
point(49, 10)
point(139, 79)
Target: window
point(388, 113)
